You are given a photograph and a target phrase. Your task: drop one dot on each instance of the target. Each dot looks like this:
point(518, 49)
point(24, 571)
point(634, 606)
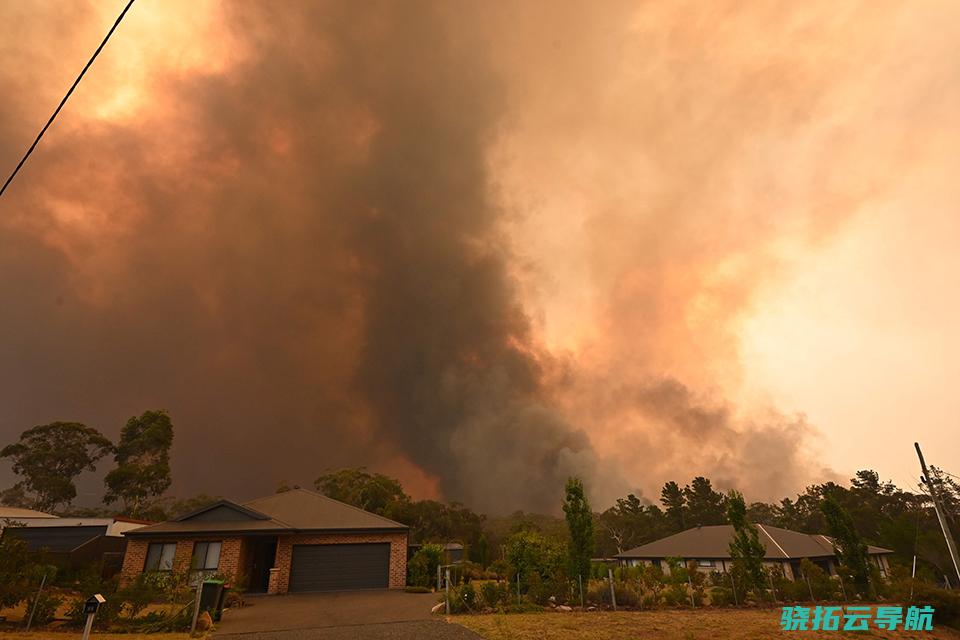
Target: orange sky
point(729, 231)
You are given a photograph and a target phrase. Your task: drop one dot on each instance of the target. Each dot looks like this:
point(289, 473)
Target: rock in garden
point(204, 621)
point(437, 608)
point(564, 607)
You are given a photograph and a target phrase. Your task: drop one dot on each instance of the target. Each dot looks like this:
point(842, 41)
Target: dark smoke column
point(448, 364)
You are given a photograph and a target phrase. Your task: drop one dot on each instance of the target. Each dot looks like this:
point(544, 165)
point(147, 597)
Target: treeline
point(882, 513)
point(49, 458)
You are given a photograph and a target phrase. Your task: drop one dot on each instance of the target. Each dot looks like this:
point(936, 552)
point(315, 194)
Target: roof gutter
point(140, 533)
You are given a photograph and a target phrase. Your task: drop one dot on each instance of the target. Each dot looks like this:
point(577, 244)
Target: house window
point(705, 563)
point(160, 556)
point(206, 556)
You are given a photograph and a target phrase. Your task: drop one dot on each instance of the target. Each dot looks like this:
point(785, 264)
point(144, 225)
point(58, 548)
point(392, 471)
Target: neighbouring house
point(709, 547)
point(294, 541)
point(75, 542)
point(13, 515)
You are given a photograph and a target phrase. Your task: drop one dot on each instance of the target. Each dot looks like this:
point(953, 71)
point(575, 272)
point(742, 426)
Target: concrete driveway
point(364, 615)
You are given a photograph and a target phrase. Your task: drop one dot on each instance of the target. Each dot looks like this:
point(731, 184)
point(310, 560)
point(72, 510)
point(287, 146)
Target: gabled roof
point(714, 542)
point(222, 511)
point(296, 510)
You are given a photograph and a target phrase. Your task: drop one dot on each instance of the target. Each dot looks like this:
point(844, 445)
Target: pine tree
point(673, 500)
point(847, 543)
point(745, 548)
point(580, 523)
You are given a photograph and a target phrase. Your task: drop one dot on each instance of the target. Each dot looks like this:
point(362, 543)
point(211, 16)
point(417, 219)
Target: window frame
point(706, 563)
point(205, 545)
point(159, 564)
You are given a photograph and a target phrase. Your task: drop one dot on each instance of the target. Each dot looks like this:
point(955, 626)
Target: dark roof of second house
point(55, 539)
point(714, 542)
point(293, 511)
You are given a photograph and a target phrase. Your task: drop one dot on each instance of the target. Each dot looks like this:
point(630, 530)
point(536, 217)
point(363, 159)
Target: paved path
point(364, 615)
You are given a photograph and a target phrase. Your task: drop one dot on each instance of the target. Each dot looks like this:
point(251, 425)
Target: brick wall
point(233, 556)
point(134, 558)
point(398, 555)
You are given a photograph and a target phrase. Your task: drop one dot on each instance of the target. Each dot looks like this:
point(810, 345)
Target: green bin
point(212, 594)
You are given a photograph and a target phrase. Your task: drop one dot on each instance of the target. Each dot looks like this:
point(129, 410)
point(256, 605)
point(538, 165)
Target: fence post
point(518, 587)
point(773, 589)
point(36, 601)
point(580, 580)
point(613, 593)
point(843, 589)
point(439, 578)
point(733, 585)
point(690, 584)
point(809, 588)
point(196, 607)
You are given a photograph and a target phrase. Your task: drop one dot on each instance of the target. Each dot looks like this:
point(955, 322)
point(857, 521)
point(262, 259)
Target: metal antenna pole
point(947, 536)
point(36, 601)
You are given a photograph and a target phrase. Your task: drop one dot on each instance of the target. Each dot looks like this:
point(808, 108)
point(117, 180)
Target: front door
point(264, 554)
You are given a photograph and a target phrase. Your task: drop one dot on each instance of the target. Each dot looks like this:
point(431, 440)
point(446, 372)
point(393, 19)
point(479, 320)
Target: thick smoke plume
point(480, 246)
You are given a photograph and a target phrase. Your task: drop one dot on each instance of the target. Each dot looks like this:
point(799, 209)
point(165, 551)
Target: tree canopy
point(372, 492)
point(143, 462)
point(50, 457)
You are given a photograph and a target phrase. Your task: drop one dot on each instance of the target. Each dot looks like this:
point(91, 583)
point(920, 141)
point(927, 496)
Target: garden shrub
point(676, 595)
point(44, 608)
point(541, 564)
point(721, 596)
point(422, 568)
point(627, 595)
point(493, 594)
point(474, 571)
point(823, 586)
point(945, 602)
point(597, 592)
point(463, 599)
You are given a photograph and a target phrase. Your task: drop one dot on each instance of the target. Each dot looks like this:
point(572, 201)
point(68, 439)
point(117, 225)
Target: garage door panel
point(339, 567)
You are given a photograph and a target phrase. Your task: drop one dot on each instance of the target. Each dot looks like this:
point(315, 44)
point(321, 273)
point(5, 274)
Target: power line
point(66, 97)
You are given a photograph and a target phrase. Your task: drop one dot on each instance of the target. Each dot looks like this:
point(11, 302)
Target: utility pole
point(947, 536)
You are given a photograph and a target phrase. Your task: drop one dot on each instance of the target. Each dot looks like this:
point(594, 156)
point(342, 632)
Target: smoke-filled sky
point(483, 246)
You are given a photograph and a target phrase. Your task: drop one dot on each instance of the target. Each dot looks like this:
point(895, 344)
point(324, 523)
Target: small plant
point(463, 599)
point(44, 608)
point(721, 596)
point(494, 594)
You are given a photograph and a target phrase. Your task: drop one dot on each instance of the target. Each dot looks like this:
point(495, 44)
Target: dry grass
point(60, 635)
point(704, 624)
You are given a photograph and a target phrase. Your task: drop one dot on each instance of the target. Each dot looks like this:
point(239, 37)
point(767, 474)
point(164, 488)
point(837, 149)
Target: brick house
point(709, 548)
point(294, 541)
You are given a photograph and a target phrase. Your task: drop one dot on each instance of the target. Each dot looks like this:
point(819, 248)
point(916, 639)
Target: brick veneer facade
point(235, 554)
